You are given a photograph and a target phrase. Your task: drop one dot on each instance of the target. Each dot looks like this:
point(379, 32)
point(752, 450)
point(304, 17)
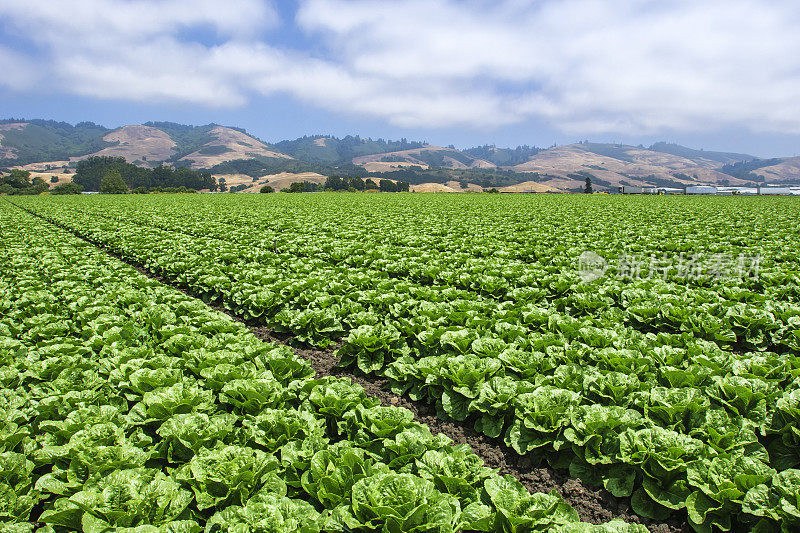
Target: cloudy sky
point(717, 74)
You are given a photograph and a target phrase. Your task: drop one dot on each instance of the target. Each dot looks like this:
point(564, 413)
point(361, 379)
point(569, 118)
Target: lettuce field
point(648, 347)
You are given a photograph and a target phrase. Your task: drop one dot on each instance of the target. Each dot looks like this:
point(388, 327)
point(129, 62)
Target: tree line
point(19, 182)
point(90, 172)
point(340, 183)
point(343, 183)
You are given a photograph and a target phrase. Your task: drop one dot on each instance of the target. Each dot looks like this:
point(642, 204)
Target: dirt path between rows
point(593, 505)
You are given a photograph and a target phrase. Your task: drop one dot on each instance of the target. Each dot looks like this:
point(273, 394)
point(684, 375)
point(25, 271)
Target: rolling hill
point(49, 146)
point(228, 144)
point(426, 156)
point(328, 150)
point(700, 155)
point(34, 141)
point(137, 144)
point(615, 165)
point(783, 171)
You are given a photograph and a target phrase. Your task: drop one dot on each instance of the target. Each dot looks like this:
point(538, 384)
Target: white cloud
point(157, 70)
point(631, 67)
point(132, 49)
point(95, 20)
point(584, 66)
point(18, 73)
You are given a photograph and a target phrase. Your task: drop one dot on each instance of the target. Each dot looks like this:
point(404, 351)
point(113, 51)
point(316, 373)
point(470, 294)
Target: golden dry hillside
point(137, 143)
point(425, 156)
point(229, 144)
point(276, 181)
point(568, 166)
point(787, 170)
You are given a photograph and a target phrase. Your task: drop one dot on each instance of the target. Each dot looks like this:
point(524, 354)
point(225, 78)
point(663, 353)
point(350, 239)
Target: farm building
point(774, 191)
point(744, 191)
point(628, 189)
point(700, 189)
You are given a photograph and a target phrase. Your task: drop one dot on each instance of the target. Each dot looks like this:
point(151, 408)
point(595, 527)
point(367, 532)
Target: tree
point(19, 182)
point(369, 184)
point(53, 179)
point(588, 188)
point(222, 185)
point(67, 188)
point(355, 183)
point(297, 186)
point(335, 183)
point(403, 186)
point(387, 186)
point(19, 179)
point(112, 183)
point(266, 188)
point(90, 171)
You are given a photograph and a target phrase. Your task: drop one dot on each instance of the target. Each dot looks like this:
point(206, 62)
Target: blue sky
point(715, 74)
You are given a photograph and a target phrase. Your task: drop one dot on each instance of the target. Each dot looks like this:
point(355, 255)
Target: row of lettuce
point(512, 258)
point(128, 406)
point(586, 375)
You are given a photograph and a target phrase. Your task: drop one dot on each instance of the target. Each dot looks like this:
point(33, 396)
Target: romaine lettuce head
point(521, 512)
point(457, 471)
point(16, 497)
point(182, 397)
point(266, 513)
point(251, 395)
point(228, 475)
point(185, 434)
point(124, 498)
point(723, 484)
point(333, 472)
point(396, 503)
point(272, 428)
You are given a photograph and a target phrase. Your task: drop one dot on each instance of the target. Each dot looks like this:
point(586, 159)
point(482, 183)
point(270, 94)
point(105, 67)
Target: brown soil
point(593, 505)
